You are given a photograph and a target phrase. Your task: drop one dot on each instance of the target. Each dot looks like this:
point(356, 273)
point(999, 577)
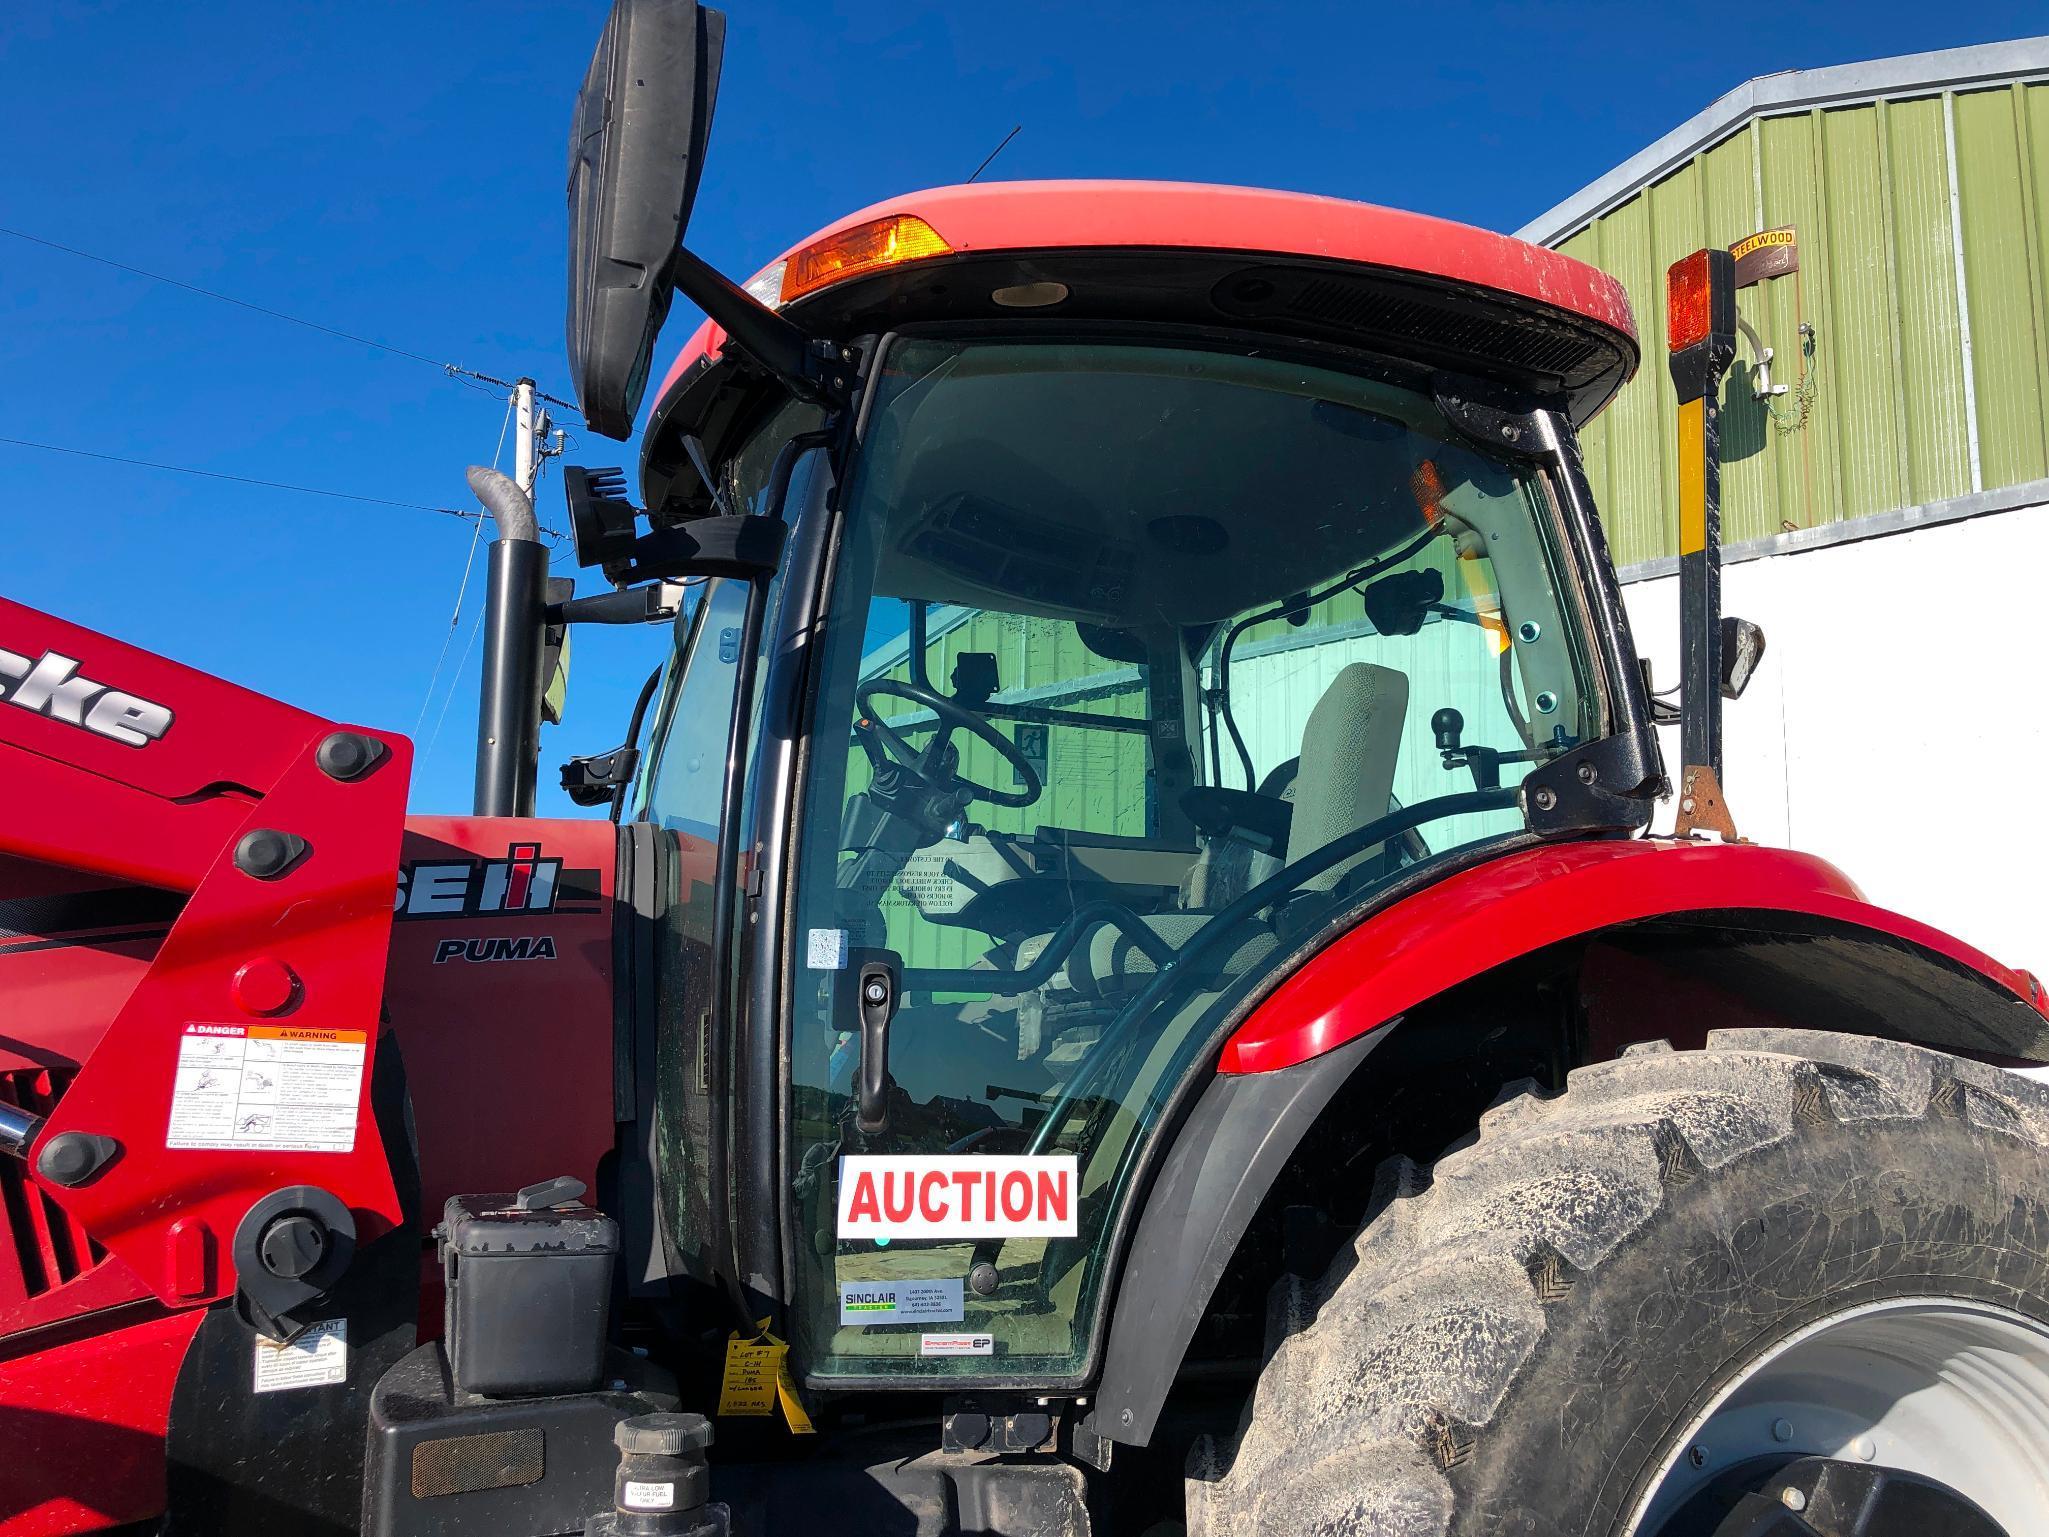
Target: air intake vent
point(499, 1459)
point(1443, 327)
point(43, 1247)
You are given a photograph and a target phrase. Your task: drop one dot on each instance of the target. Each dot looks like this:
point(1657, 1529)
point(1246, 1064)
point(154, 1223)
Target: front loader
point(1118, 981)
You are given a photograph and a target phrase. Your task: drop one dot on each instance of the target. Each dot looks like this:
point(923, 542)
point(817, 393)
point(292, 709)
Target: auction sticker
point(956, 1345)
point(863, 1304)
point(318, 1358)
point(267, 1086)
point(970, 1196)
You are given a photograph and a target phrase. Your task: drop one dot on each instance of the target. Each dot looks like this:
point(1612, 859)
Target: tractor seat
point(1343, 779)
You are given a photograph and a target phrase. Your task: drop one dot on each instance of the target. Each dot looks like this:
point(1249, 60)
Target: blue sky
point(395, 171)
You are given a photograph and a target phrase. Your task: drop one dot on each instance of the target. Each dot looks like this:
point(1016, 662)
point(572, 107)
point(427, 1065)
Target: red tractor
point(1125, 986)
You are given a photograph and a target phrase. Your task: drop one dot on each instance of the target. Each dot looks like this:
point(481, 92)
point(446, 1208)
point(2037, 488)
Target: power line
point(453, 370)
point(249, 480)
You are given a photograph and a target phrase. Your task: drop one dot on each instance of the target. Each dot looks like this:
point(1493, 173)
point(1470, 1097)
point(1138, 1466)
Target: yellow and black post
point(1700, 310)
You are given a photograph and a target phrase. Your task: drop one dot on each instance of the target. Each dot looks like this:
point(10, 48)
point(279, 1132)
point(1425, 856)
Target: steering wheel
point(951, 713)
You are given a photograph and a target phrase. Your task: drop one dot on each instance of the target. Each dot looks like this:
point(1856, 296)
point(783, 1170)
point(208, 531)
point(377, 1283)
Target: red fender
point(1480, 918)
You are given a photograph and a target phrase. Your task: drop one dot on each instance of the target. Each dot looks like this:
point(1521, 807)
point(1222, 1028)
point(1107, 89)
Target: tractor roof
point(1219, 258)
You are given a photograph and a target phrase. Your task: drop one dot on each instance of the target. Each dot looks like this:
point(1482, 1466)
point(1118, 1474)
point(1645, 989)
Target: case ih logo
point(521, 882)
point(52, 685)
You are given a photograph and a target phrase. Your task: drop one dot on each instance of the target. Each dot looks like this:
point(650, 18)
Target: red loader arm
point(240, 1064)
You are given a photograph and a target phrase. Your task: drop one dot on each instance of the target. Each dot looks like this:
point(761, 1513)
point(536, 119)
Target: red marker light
point(1700, 299)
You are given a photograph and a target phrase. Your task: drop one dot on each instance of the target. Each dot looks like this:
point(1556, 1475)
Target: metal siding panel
point(1676, 230)
point(1641, 520)
point(1804, 459)
point(2004, 344)
point(2031, 108)
point(1750, 489)
point(1924, 276)
point(1867, 421)
point(1598, 436)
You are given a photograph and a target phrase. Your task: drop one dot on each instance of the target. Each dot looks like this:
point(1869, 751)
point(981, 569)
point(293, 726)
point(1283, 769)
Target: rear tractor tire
point(1779, 1270)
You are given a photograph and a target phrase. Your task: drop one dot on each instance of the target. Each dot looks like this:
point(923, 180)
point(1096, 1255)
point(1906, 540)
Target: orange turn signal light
point(1700, 299)
point(886, 242)
point(1426, 485)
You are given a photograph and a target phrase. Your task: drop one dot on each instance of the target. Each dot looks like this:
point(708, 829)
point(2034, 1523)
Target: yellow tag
point(753, 1369)
point(758, 1377)
point(793, 1406)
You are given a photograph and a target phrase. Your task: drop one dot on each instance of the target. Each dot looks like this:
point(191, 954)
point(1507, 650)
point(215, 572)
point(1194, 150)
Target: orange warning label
point(279, 1087)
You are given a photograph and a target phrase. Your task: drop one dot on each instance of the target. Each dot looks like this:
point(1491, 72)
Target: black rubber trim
point(1221, 1165)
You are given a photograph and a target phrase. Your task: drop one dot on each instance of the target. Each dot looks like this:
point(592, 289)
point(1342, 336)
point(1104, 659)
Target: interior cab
point(1125, 664)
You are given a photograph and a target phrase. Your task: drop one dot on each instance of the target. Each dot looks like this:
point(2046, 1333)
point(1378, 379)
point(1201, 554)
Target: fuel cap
point(662, 1435)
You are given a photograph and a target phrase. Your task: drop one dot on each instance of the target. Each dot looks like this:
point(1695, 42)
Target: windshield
point(1143, 663)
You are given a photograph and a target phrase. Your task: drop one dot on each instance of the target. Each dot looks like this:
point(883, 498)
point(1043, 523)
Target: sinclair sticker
point(974, 1196)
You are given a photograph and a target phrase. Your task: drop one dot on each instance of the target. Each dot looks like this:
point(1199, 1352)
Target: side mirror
point(1742, 650)
point(636, 151)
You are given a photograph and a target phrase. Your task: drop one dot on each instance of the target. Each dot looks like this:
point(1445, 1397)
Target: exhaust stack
point(509, 703)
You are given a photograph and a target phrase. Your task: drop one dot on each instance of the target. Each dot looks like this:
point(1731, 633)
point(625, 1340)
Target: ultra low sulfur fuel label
point(267, 1086)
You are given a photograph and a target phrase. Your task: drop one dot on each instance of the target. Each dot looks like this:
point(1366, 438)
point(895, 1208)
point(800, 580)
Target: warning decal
point(971, 1196)
point(267, 1086)
point(316, 1359)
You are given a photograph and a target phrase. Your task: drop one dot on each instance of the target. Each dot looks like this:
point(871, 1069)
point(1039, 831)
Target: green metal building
point(1886, 518)
point(1918, 192)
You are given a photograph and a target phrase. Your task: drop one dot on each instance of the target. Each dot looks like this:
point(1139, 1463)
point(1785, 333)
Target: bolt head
point(1588, 773)
point(1792, 1499)
point(1697, 1455)
point(347, 755)
point(1782, 1430)
point(73, 1157)
point(265, 853)
point(1545, 799)
point(1865, 1448)
point(983, 1280)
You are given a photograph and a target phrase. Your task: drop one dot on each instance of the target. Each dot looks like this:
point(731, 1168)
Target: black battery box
point(529, 1278)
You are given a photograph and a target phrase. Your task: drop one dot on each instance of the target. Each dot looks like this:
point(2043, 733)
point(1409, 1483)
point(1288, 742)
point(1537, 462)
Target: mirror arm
point(815, 369)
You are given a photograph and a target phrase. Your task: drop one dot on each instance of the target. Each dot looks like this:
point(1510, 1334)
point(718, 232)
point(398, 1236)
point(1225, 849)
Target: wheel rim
point(1954, 1391)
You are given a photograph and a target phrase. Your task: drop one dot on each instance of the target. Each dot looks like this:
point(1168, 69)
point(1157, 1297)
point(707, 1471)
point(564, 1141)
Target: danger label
point(267, 1086)
point(975, 1196)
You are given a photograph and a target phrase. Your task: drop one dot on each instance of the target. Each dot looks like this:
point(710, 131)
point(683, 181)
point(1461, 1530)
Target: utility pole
point(526, 462)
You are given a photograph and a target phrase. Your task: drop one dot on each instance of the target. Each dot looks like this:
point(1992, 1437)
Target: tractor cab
point(1152, 609)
